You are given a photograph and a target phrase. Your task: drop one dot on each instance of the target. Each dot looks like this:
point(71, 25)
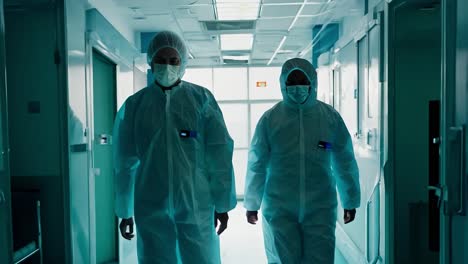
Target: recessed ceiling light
point(237, 9)
point(236, 41)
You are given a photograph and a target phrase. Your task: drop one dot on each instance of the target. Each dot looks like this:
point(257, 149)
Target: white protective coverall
point(173, 167)
point(300, 154)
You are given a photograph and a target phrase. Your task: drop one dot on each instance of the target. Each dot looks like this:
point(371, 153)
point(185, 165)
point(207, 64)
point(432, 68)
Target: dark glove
point(123, 228)
point(349, 215)
point(223, 218)
point(252, 217)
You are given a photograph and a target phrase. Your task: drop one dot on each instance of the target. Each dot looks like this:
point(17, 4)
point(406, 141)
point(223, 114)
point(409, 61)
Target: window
point(200, 76)
point(243, 94)
point(256, 112)
point(235, 116)
point(230, 83)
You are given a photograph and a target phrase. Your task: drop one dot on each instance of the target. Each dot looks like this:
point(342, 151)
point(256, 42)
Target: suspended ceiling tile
point(256, 55)
point(319, 1)
point(189, 24)
point(266, 45)
point(153, 23)
point(203, 12)
point(279, 11)
point(163, 4)
point(192, 36)
point(280, 24)
point(202, 46)
point(307, 22)
point(208, 62)
point(316, 9)
point(281, 1)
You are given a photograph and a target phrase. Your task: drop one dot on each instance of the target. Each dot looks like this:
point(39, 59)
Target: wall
point(122, 52)
point(77, 122)
point(112, 13)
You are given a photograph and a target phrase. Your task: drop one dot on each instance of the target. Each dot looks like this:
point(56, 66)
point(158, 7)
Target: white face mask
point(166, 74)
point(298, 93)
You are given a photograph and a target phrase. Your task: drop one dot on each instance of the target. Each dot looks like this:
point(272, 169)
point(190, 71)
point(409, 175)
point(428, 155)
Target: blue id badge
point(324, 145)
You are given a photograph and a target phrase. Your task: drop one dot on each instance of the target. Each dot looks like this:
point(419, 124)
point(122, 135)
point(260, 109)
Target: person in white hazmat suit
point(173, 163)
point(301, 151)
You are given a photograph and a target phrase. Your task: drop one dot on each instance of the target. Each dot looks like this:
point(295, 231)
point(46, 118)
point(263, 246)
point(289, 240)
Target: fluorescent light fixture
point(240, 58)
point(236, 41)
point(277, 50)
point(237, 9)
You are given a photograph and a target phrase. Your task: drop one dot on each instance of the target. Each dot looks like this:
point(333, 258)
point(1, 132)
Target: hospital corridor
point(233, 131)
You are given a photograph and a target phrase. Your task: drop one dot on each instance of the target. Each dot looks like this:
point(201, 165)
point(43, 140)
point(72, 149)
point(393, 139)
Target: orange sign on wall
point(261, 84)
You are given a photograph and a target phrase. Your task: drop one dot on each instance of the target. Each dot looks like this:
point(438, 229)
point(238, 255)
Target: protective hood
point(169, 39)
point(309, 70)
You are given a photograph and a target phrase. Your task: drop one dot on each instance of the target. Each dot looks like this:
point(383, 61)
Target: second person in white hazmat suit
point(300, 153)
point(173, 163)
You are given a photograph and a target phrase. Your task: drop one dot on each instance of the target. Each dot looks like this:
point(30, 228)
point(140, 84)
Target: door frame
point(5, 196)
point(453, 125)
point(94, 43)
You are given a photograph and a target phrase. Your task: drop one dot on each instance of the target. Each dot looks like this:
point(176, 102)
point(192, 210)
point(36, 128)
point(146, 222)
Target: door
point(367, 147)
point(454, 219)
point(5, 205)
point(104, 106)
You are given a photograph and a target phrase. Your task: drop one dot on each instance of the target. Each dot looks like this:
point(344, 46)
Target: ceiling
point(282, 29)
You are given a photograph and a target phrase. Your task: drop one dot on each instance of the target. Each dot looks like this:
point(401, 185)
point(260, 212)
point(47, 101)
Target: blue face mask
point(298, 93)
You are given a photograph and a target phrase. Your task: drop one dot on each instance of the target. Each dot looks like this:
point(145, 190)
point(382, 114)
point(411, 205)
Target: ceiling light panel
point(237, 9)
point(279, 11)
point(236, 41)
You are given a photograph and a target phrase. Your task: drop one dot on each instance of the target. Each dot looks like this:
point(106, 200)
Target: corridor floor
point(240, 243)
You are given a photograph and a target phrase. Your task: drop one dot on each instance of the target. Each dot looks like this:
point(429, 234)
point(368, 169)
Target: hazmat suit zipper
point(301, 166)
point(170, 162)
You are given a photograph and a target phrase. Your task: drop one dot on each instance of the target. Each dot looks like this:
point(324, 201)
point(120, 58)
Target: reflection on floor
point(240, 243)
point(243, 242)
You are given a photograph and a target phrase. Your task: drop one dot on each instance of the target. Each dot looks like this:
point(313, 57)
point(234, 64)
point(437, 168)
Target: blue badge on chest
point(188, 134)
point(324, 145)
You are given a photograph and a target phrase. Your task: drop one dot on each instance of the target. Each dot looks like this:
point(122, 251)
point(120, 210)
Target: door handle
point(104, 139)
point(2, 160)
point(455, 172)
point(2, 198)
point(439, 192)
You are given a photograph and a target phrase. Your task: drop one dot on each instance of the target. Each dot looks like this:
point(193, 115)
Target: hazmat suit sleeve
point(126, 163)
point(257, 168)
point(219, 148)
point(345, 168)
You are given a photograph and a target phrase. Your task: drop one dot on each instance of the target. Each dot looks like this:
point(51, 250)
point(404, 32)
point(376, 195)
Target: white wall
point(115, 15)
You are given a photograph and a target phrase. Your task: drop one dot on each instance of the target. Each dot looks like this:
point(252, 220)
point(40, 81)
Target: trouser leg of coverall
point(283, 238)
point(156, 240)
point(319, 236)
point(198, 243)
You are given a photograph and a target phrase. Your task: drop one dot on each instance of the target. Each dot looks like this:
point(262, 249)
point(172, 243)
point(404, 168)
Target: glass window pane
point(230, 83)
point(200, 76)
point(235, 116)
point(324, 86)
point(264, 83)
point(239, 162)
point(257, 110)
